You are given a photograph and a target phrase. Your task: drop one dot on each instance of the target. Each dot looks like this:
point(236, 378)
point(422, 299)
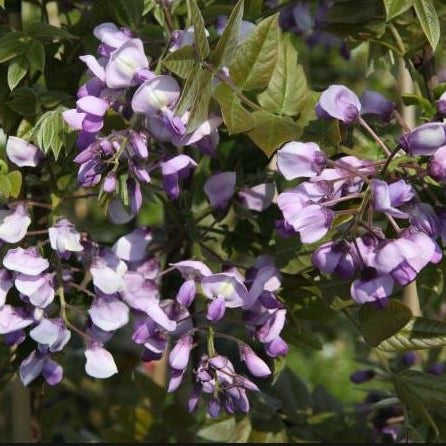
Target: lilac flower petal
point(186, 293)
point(100, 363)
point(179, 356)
point(254, 363)
point(312, 222)
point(22, 153)
point(219, 189)
point(155, 95)
point(64, 238)
point(341, 103)
point(176, 377)
point(94, 66)
point(259, 197)
point(14, 223)
point(92, 105)
point(109, 34)
point(192, 268)
point(372, 290)
point(216, 309)
point(26, 261)
point(296, 160)
point(13, 319)
point(39, 289)
point(109, 313)
point(5, 285)
point(132, 247)
point(228, 287)
point(124, 63)
point(52, 372)
point(31, 367)
point(74, 118)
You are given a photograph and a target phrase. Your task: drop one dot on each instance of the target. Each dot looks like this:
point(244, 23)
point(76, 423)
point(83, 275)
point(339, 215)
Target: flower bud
point(441, 105)
point(425, 139)
point(362, 376)
point(338, 102)
point(296, 160)
point(220, 188)
point(254, 363)
point(22, 153)
point(179, 356)
point(437, 165)
point(186, 293)
point(216, 309)
point(375, 104)
point(109, 184)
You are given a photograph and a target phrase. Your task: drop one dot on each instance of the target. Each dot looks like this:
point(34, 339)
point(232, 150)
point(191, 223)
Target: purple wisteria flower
point(375, 104)
point(335, 257)
point(388, 197)
point(22, 153)
point(340, 103)
point(174, 170)
point(14, 319)
point(64, 238)
point(5, 285)
point(38, 288)
point(51, 334)
point(109, 313)
point(132, 247)
point(99, 362)
point(108, 272)
point(257, 198)
point(26, 261)
point(425, 139)
point(296, 160)
point(39, 363)
point(437, 164)
point(220, 188)
point(14, 223)
point(254, 363)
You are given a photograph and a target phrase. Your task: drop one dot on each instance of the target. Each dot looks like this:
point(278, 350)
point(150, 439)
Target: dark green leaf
point(36, 55)
point(254, 60)
point(287, 91)
point(236, 118)
point(181, 62)
point(224, 50)
point(428, 18)
point(419, 333)
point(11, 47)
point(396, 7)
point(271, 131)
point(17, 71)
point(46, 32)
point(419, 101)
point(201, 40)
point(24, 101)
point(127, 12)
point(300, 337)
point(378, 324)
point(279, 365)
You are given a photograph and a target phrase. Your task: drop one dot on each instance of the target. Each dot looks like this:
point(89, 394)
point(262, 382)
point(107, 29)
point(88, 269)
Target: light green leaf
point(181, 62)
point(419, 101)
point(271, 131)
point(236, 118)
point(190, 90)
point(36, 55)
point(201, 40)
point(2, 4)
point(419, 333)
point(287, 92)
point(428, 18)
point(17, 70)
point(379, 324)
point(396, 7)
point(254, 60)
point(220, 431)
point(5, 186)
point(46, 32)
point(52, 133)
point(224, 50)
point(15, 181)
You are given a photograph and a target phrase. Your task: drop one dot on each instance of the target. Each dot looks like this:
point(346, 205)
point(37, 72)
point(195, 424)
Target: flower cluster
point(375, 256)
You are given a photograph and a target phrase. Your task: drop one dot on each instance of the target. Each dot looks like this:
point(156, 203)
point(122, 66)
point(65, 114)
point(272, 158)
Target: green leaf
point(2, 4)
point(36, 55)
point(17, 71)
point(11, 46)
point(300, 337)
point(200, 105)
point(419, 101)
point(201, 40)
point(254, 60)
point(52, 133)
point(287, 91)
point(190, 90)
point(421, 391)
point(5, 186)
point(46, 32)
point(279, 366)
point(220, 431)
point(419, 333)
point(15, 181)
point(181, 62)
point(24, 101)
point(271, 131)
point(396, 7)
point(126, 12)
point(380, 324)
point(228, 41)
point(236, 118)
point(428, 18)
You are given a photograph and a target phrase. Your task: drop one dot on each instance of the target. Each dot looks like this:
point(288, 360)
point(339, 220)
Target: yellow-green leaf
point(201, 40)
point(254, 60)
point(428, 18)
point(15, 181)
